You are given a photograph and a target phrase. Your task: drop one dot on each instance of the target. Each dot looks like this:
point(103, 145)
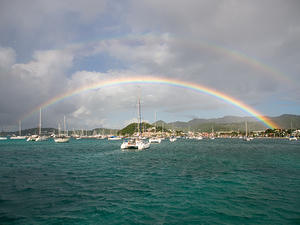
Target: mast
point(155, 118)
point(246, 128)
point(40, 123)
point(58, 129)
point(19, 127)
point(65, 125)
point(139, 118)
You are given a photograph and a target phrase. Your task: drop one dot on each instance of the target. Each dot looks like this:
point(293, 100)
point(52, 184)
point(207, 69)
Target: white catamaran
point(138, 142)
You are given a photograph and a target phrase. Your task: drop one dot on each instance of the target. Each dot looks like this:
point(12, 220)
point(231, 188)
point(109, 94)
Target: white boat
point(20, 137)
point(137, 143)
point(133, 143)
point(129, 144)
point(212, 137)
point(172, 139)
point(293, 138)
point(114, 138)
point(142, 144)
point(40, 137)
point(246, 138)
point(199, 138)
point(62, 138)
point(32, 137)
point(2, 138)
point(155, 140)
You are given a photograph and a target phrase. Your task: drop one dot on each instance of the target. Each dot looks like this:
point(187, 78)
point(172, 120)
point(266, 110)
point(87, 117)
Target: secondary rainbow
point(160, 80)
point(268, 71)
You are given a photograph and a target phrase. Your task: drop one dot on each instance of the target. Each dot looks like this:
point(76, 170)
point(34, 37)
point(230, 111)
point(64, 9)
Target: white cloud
point(7, 58)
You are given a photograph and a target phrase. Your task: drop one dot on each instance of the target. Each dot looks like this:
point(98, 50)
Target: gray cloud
point(248, 50)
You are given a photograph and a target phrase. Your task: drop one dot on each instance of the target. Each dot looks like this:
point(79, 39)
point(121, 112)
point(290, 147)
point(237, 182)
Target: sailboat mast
point(64, 125)
point(139, 117)
point(155, 118)
point(58, 125)
point(40, 123)
point(19, 127)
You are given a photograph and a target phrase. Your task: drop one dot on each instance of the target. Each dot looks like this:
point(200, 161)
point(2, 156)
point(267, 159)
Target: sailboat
point(246, 138)
point(138, 142)
point(20, 137)
point(292, 138)
point(62, 138)
point(2, 138)
point(40, 137)
point(155, 140)
point(212, 137)
point(173, 138)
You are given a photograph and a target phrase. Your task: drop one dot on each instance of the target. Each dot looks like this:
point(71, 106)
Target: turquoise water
point(221, 181)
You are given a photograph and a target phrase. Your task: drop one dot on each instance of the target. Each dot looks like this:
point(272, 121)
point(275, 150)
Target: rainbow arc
point(162, 81)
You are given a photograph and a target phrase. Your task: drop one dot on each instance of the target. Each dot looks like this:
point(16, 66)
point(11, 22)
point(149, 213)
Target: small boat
point(212, 137)
point(114, 138)
point(293, 138)
point(135, 144)
point(32, 137)
point(20, 137)
point(2, 138)
point(42, 138)
point(155, 140)
point(172, 139)
point(62, 139)
point(246, 138)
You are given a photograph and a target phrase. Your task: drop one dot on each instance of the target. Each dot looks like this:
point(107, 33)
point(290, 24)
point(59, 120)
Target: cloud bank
point(247, 50)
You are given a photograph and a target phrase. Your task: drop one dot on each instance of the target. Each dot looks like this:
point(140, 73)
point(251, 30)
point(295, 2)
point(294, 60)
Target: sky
point(249, 50)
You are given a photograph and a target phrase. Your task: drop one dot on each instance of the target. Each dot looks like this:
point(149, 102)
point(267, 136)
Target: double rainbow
point(165, 81)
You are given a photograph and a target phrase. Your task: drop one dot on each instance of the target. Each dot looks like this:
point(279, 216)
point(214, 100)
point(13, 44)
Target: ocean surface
point(221, 181)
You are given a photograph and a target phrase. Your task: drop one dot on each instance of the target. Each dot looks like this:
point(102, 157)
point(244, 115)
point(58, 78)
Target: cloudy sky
point(249, 50)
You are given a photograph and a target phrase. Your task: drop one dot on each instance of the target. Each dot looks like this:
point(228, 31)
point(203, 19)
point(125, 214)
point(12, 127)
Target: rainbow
point(160, 80)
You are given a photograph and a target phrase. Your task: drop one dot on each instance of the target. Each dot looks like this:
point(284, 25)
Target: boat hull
point(61, 140)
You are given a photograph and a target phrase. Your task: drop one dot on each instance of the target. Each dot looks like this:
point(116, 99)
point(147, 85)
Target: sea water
point(221, 181)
